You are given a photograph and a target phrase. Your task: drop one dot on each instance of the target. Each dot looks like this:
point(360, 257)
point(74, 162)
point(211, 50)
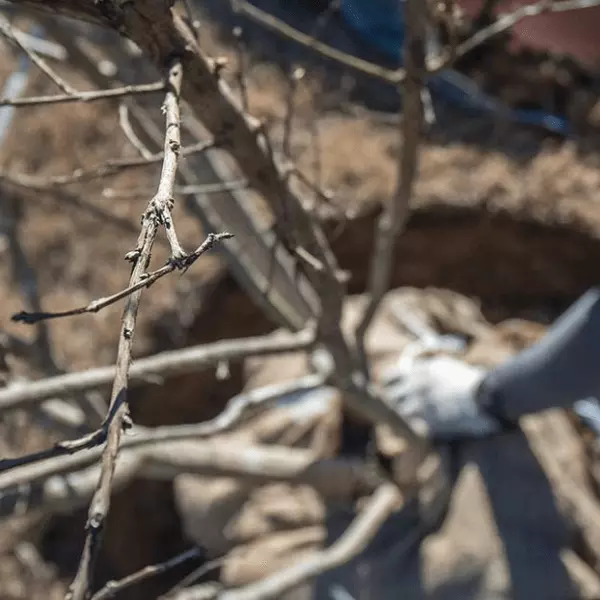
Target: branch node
point(133, 255)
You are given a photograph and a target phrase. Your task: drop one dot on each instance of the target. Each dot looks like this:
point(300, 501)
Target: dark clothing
point(556, 372)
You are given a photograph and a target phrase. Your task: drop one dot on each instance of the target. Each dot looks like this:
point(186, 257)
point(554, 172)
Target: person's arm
point(556, 372)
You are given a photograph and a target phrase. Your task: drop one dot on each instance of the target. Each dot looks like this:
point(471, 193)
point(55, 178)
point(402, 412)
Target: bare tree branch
point(214, 104)
point(41, 46)
point(105, 169)
point(238, 410)
point(395, 213)
point(7, 30)
point(66, 483)
point(127, 128)
point(271, 22)
point(61, 481)
point(202, 188)
point(156, 214)
point(146, 369)
point(255, 259)
point(112, 588)
point(183, 261)
point(190, 579)
point(356, 538)
point(87, 96)
point(510, 19)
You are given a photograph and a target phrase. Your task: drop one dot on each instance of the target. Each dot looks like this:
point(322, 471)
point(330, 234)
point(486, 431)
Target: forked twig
point(118, 411)
point(183, 261)
point(213, 104)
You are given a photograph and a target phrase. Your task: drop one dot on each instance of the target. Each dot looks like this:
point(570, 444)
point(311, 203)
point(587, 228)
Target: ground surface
point(507, 215)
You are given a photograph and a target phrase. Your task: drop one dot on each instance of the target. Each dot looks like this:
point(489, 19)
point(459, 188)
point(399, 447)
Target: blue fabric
point(380, 23)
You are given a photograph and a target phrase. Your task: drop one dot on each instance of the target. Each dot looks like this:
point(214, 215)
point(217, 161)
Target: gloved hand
point(437, 394)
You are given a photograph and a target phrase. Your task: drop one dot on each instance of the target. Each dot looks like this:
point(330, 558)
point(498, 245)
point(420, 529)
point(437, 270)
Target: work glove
point(437, 395)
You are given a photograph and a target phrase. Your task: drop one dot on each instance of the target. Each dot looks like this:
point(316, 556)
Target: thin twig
point(214, 104)
point(354, 540)
point(118, 412)
point(41, 46)
point(509, 20)
point(127, 129)
point(201, 571)
point(182, 262)
point(250, 258)
point(238, 410)
point(112, 588)
point(105, 169)
point(7, 30)
point(269, 21)
point(201, 188)
point(323, 273)
point(161, 365)
point(394, 215)
point(87, 96)
point(79, 202)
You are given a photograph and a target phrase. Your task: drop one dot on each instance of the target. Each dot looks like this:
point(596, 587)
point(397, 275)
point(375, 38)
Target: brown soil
point(507, 215)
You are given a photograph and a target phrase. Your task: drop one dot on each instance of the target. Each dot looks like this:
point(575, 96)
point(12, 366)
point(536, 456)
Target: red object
point(575, 33)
